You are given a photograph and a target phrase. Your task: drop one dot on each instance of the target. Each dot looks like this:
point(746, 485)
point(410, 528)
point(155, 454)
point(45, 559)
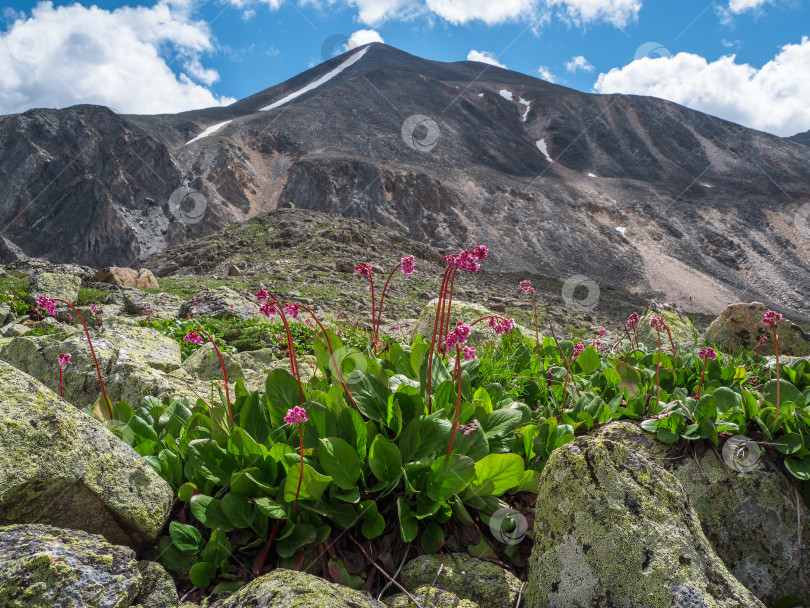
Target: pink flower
point(632, 320)
point(480, 252)
point(268, 308)
point(458, 336)
point(292, 309)
point(707, 353)
point(467, 261)
point(64, 359)
point(363, 269)
point(601, 333)
point(296, 415)
point(47, 304)
point(504, 327)
point(262, 295)
point(468, 352)
point(771, 318)
point(310, 323)
point(407, 265)
point(657, 322)
point(69, 318)
point(597, 343)
point(451, 260)
point(762, 340)
point(93, 308)
point(193, 337)
point(340, 333)
point(579, 348)
point(526, 287)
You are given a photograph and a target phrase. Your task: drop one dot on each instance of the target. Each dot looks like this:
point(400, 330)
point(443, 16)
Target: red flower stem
point(301, 476)
point(635, 333)
point(261, 558)
point(536, 331)
point(382, 296)
point(778, 382)
point(442, 304)
point(488, 317)
point(224, 375)
point(332, 355)
point(458, 399)
point(60, 381)
point(565, 386)
point(449, 305)
point(671, 341)
point(702, 373)
point(657, 370)
point(92, 352)
point(290, 345)
point(373, 309)
point(433, 340)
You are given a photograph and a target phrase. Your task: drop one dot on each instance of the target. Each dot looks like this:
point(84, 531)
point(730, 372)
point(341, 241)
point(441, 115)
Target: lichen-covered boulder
point(467, 577)
point(204, 364)
point(126, 277)
point(15, 329)
point(748, 513)
point(157, 587)
point(53, 285)
point(61, 467)
point(219, 303)
point(290, 589)
point(136, 362)
point(680, 325)
point(740, 325)
point(428, 596)
point(613, 528)
point(467, 312)
point(46, 567)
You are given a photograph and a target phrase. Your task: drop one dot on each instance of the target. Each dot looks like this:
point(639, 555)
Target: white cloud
point(463, 11)
point(773, 98)
point(361, 37)
point(740, 6)
point(61, 56)
point(373, 12)
point(546, 74)
point(579, 63)
point(485, 57)
point(616, 12)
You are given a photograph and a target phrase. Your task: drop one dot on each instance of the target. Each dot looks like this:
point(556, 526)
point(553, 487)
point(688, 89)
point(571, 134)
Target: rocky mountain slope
point(635, 193)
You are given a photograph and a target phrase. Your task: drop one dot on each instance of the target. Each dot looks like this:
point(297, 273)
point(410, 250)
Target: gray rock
point(739, 326)
point(53, 285)
point(157, 587)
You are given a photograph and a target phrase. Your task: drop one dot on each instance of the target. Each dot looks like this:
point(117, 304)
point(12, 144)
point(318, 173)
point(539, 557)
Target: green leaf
point(423, 435)
point(384, 459)
point(787, 392)
point(373, 523)
point(172, 558)
point(352, 429)
point(449, 475)
point(341, 461)
point(432, 538)
point(301, 535)
point(789, 443)
point(496, 474)
point(271, 508)
point(371, 396)
point(800, 469)
point(726, 399)
point(208, 511)
point(186, 538)
point(313, 484)
point(254, 418)
point(588, 361)
point(218, 548)
point(501, 422)
point(186, 491)
point(202, 574)
point(408, 525)
point(238, 510)
point(281, 394)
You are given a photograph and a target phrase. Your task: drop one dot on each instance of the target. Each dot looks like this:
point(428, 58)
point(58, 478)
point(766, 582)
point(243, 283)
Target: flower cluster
point(262, 295)
point(579, 348)
point(296, 415)
point(658, 323)
point(467, 261)
point(193, 337)
point(501, 326)
point(601, 333)
point(407, 265)
point(292, 309)
point(468, 352)
point(458, 336)
point(64, 359)
point(771, 318)
point(363, 269)
point(47, 304)
point(268, 308)
point(707, 354)
point(526, 286)
point(762, 340)
point(632, 320)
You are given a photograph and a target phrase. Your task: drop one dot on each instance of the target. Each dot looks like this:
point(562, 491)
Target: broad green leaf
point(423, 435)
point(371, 397)
point(789, 443)
point(496, 474)
point(208, 511)
point(800, 469)
point(449, 475)
point(313, 484)
point(373, 523)
point(202, 574)
point(408, 525)
point(186, 538)
point(384, 459)
point(341, 461)
point(501, 422)
point(588, 361)
point(432, 538)
point(281, 394)
point(271, 508)
point(238, 510)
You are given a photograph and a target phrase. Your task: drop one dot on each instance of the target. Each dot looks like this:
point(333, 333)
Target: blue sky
point(744, 60)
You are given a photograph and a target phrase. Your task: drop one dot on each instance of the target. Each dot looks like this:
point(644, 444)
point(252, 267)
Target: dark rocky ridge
point(707, 206)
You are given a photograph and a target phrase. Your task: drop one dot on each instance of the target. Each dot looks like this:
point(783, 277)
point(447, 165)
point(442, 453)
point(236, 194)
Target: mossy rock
point(749, 514)
point(54, 285)
point(157, 587)
point(220, 303)
point(61, 467)
point(613, 528)
point(428, 596)
point(46, 567)
point(467, 312)
point(683, 331)
point(291, 589)
point(740, 325)
point(468, 578)
point(204, 364)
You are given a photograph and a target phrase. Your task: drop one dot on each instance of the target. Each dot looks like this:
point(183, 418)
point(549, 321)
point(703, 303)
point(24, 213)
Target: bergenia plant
point(657, 323)
point(298, 415)
point(407, 265)
point(194, 337)
point(705, 355)
point(771, 319)
point(271, 306)
point(526, 287)
point(64, 359)
point(632, 322)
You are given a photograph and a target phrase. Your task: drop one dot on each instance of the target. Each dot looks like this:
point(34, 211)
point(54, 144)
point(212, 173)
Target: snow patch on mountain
point(541, 145)
point(209, 131)
point(506, 94)
point(528, 105)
